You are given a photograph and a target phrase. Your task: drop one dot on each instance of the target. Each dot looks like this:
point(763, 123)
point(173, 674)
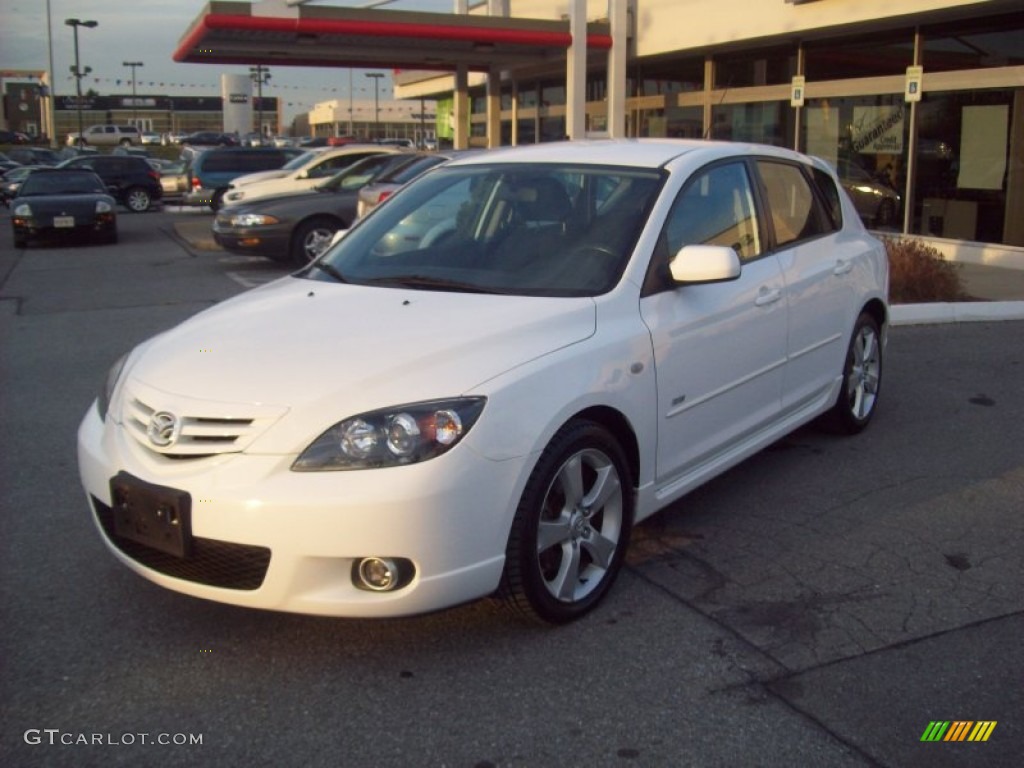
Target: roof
point(327, 36)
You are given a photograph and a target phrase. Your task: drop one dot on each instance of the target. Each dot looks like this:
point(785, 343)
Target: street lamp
point(76, 70)
point(260, 74)
point(376, 103)
point(135, 103)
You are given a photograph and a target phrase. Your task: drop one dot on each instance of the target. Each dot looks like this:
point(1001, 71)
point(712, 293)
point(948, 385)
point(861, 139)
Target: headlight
point(234, 196)
point(252, 220)
point(102, 206)
point(406, 434)
point(24, 210)
point(113, 375)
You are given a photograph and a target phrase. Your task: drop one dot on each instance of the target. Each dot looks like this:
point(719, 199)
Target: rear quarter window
point(830, 195)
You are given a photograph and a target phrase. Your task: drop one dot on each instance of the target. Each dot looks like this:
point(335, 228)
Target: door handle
point(843, 266)
point(767, 296)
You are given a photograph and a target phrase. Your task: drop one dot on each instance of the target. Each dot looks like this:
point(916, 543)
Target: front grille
point(214, 563)
point(198, 436)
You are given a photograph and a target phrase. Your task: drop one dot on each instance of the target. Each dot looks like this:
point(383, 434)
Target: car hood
point(325, 351)
point(300, 200)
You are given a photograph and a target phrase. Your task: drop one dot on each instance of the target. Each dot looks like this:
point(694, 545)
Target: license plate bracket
point(152, 515)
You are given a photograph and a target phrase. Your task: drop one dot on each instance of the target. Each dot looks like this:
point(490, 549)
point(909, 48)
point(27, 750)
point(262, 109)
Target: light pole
point(76, 70)
point(135, 103)
point(376, 103)
point(260, 74)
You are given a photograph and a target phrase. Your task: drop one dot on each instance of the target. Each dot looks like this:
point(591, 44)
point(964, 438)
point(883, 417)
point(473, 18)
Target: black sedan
point(299, 227)
point(63, 202)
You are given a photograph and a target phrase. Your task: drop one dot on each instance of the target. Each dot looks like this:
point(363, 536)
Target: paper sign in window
point(983, 147)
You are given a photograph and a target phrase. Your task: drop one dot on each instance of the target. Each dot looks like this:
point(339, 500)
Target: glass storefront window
point(865, 139)
point(768, 66)
point(967, 181)
point(655, 79)
point(527, 130)
point(552, 129)
point(860, 57)
point(552, 94)
point(997, 43)
point(764, 122)
point(684, 122)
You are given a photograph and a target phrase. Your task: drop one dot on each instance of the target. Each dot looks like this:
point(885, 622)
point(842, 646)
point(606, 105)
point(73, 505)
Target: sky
point(149, 31)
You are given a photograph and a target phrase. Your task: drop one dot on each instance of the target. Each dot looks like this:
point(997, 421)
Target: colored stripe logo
point(958, 730)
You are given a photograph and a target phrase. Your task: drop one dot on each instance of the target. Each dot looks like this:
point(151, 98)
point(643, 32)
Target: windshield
point(538, 230)
point(360, 173)
point(61, 183)
point(299, 161)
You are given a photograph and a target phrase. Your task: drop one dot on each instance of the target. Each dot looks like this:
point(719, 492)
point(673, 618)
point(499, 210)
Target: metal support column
point(460, 108)
point(619, 16)
point(576, 72)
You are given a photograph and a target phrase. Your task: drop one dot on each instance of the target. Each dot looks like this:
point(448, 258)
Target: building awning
point(323, 36)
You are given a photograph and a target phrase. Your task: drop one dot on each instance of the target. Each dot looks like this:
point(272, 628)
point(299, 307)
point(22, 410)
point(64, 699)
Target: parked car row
point(300, 174)
point(299, 227)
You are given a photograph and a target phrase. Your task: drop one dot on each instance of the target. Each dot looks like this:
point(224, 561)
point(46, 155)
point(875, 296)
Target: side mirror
point(705, 264)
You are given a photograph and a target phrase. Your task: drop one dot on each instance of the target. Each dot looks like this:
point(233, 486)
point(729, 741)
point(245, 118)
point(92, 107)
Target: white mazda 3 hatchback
point(483, 386)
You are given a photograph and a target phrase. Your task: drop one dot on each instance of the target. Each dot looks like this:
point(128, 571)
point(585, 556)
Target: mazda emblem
point(163, 429)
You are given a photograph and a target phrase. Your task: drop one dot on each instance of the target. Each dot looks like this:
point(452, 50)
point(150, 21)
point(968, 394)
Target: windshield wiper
point(431, 283)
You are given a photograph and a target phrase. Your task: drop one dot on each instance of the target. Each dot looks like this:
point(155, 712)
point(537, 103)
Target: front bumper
point(267, 537)
point(35, 228)
point(262, 241)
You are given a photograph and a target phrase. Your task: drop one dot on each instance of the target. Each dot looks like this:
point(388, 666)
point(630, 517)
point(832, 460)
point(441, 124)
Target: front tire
point(571, 529)
point(862, 378)
point(311, 238)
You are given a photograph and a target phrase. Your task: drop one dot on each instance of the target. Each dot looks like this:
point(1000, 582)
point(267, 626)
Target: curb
point(956, 312)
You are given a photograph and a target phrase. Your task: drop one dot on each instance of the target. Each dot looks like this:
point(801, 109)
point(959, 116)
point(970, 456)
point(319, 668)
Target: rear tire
point(217, 201)
point(571, 529)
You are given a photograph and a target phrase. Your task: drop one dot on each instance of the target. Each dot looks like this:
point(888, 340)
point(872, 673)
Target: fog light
point(377, 573)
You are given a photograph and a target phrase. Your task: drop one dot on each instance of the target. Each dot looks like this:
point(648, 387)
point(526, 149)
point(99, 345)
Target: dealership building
point(923, 96)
